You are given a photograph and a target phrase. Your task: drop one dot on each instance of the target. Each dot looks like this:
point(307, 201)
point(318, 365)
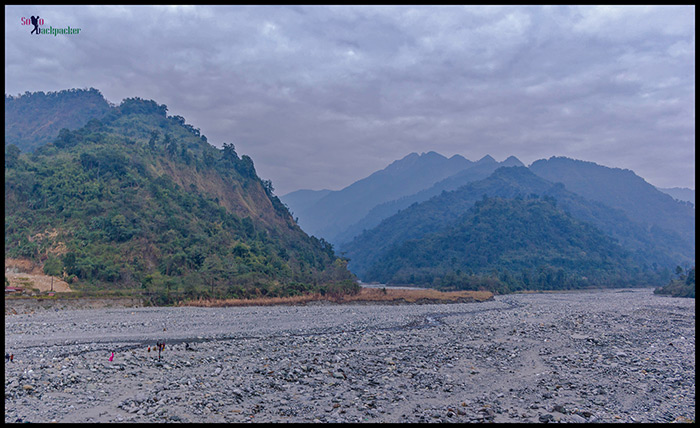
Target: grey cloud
point(322, 96)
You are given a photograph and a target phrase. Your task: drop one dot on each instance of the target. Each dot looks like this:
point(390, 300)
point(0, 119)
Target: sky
point(322, 96)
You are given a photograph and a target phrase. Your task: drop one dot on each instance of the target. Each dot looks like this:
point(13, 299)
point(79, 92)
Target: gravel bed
point(604, 356)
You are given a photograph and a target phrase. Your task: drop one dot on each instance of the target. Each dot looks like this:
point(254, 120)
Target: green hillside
point(35, 118)
point(141, 201)
point(652, 247)
point(436, 213)
point(621, 189)
point(508, 245)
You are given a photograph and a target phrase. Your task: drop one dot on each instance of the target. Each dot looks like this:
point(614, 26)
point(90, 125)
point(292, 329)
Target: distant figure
point(111, 357)
point(7, 357)
point(35, 23)
point(149, 349)
point(12, 358)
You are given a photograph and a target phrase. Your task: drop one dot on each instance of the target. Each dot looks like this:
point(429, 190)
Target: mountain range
point(654, 228)
point(128, 198)
point(340, 215)
point(650, 246)
point(620, 188)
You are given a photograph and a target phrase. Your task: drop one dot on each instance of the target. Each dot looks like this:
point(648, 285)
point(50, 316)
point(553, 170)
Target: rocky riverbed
point(609, 356)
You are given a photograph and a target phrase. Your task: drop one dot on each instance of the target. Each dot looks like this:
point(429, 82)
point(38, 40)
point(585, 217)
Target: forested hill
point(140, 200)
point(652, 248)
point(35, 118)
point(621, 189)
point(508, 245)
point(436, 213)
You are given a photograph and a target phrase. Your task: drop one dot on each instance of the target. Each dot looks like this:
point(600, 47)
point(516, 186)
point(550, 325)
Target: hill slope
point(473, 172)
point(621, 189)
point(140, 200)
point(650, 247)
point(680, 193)
point(436, 213)
point(34, 119)
point(530, 243)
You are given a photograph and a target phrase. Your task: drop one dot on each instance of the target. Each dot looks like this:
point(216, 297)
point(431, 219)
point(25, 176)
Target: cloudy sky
point(321, 96)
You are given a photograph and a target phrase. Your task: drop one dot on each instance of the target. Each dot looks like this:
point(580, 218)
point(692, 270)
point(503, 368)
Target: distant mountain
point(436, 213)
point(510, 244)
point(650, 247)
point(35, 118)
point(334, 212)
point(139, 200)
point(622, 189)
point(476, 171)
point(300, 199)
point(680, 193)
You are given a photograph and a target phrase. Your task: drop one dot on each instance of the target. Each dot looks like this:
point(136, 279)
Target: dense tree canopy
point(508, 245)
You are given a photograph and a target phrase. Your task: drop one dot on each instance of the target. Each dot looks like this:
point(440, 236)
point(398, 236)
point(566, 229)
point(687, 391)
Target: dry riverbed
point(611, 356)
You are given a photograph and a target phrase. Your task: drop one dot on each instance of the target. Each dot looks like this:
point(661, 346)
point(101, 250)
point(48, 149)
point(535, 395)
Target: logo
point(36, 21)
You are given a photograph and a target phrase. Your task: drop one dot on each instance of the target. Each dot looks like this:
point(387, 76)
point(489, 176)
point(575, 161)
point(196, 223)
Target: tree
point(70, 262)
point(679, 273)
point(154, 139)
point(267, 185)
point(53, 266)
point(172, 147)
point(229, 153)
point(186, 155)
point(170, 283)
point(11, 155)
point(65, 138)
point(245, 167)
point(212, 271)
point(208, 158)
point(118, 228)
